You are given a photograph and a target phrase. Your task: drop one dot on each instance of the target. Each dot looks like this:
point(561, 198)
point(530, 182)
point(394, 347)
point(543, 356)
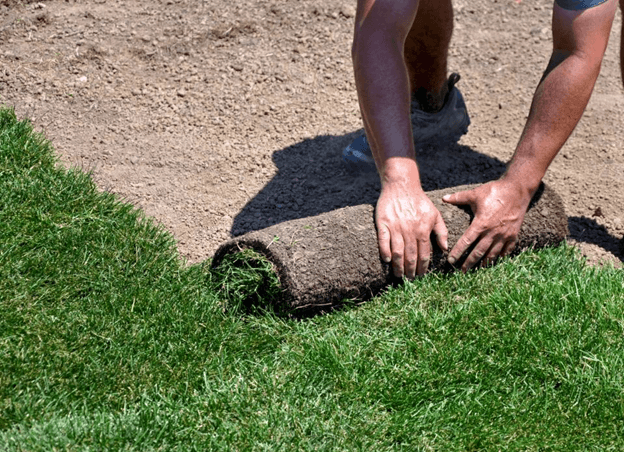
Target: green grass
point(108, 341)
point(248, 283)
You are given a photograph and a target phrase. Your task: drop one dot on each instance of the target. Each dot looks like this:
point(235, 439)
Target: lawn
point(109, 341)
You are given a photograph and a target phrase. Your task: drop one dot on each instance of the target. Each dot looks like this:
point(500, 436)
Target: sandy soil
point(219, 118)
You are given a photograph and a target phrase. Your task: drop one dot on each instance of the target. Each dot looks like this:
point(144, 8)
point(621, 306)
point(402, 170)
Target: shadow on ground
point(311, 180)
point(588, 230)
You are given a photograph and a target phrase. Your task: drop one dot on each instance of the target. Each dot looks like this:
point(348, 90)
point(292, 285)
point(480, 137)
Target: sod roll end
point(325, 259)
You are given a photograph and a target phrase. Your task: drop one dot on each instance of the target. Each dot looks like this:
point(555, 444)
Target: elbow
point(580, 59)
point(588, 61)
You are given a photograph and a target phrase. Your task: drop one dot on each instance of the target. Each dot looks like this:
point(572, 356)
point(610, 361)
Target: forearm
point(579, 42)
point(383, 91)
point(558, 104)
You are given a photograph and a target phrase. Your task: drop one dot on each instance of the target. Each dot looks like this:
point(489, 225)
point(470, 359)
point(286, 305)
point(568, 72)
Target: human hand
point(405, 217)
point(499, 208)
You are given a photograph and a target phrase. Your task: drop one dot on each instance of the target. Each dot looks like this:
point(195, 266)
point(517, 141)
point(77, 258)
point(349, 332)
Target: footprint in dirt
point(312, 179)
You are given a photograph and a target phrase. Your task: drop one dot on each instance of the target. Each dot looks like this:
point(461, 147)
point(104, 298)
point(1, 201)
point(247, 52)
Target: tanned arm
point(579, 42)
point(405, 216)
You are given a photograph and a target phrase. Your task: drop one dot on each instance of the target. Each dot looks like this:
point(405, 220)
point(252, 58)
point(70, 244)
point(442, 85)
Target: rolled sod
point(325, 259)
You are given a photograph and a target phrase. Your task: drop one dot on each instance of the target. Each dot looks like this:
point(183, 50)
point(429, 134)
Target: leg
point(425, 52)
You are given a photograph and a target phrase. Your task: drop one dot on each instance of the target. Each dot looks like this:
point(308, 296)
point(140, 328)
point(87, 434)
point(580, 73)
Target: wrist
point(402, 170)
point(526, 182)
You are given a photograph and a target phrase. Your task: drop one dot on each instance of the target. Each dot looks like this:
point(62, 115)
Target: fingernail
point(451, 260)
point(445, 245)
point(387, 260)
point(446, 197)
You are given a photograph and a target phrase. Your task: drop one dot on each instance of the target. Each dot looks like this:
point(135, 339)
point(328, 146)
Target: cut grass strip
point(109, 342)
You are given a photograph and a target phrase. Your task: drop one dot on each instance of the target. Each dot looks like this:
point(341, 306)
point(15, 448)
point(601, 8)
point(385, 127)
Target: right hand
point(405, 217)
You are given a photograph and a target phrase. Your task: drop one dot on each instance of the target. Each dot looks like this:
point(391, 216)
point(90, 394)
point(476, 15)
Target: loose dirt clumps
point(219, 118)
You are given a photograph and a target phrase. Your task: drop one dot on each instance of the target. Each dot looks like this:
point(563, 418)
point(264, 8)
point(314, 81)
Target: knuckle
point(478, 254)
point(411, 249)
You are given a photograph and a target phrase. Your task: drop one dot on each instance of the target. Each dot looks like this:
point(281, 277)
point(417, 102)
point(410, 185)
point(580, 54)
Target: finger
point(477, 254)
point(424, 256)
point(459, 198)
point(509, 247)
point(411, 258)
point(441, 233)
point(398, 250)
point(493, 253)
point(464, 242)
point(383, 236)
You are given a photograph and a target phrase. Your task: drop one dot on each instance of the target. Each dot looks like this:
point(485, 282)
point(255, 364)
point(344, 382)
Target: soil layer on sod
point(327, 258)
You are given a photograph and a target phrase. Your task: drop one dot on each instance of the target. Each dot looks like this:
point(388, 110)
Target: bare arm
point(579, 42)
point(381, 77)
point(405, 216)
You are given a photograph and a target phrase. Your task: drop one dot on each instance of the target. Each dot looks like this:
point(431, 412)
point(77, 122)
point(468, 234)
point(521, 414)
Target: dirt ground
point(218, 118)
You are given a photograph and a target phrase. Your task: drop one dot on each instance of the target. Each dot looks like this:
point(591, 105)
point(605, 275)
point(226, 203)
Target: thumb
point(459, 198)
point(441, 233)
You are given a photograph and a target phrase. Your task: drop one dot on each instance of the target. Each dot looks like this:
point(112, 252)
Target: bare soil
point(219, 118)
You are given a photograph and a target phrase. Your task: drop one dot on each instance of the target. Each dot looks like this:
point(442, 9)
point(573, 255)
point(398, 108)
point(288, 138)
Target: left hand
point(499, 208)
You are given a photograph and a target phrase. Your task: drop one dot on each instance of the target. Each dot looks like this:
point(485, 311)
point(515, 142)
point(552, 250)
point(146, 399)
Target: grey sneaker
point(445, 126)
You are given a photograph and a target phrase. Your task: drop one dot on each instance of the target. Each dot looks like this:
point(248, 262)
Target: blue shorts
point(578, 5)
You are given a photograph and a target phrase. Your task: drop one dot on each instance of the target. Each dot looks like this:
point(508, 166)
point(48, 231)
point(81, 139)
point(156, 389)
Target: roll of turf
point(325, 259)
